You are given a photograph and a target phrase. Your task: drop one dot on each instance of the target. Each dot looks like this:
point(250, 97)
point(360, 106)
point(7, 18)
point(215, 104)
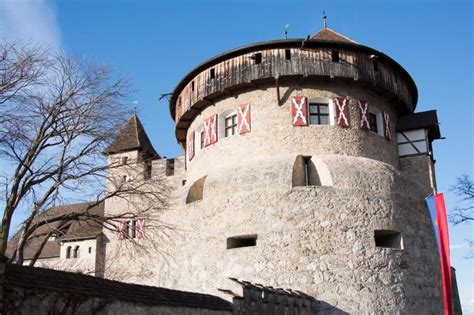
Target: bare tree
point(58, 115)
point(464, 211)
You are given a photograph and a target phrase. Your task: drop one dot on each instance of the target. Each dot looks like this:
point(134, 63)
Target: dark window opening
point(373, 122)
point(335, 56)
point(169, 167)
point(183, 182)
point(202, 139)
point(124, 178)
point(124, 160)
point(76, 252)
point(68, 252)
point(305, 172)
point(258, 58)
point(306, 165)
point(148, 170)
point(90, 250)
point(388, 239)
point(192, 86)
point(133, 229)
point(319, 113)
point(241, 241)
point(213, 73)
point(287, 54)
point(376, 65)
point(230, 125)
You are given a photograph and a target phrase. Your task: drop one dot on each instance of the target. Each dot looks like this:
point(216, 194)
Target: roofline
point(296, 42)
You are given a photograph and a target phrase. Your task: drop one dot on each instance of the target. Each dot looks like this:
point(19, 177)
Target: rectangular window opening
point(241, 241)
point(169, 167)
point(202, 139)
point(306, 161)
point(124, 160)
point(319, 114)
point(230, 125)
point(183, 182)
point(192, 86)
point(258, 58)
point(287, 54)
point(388, 239)
point(373, 122)
point(335, 56)
point(213, 73)
point(90, 250)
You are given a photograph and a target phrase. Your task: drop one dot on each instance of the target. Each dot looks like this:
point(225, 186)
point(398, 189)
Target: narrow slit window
point(90, 250)
point(287, 54)
point(148, 170)
point(68, 252)
point(335, 56)
point(373, 122)
point(212, 73)
point(241, 241)
point(258, 58)
point(192, 86)
point(306, 162)
point(388, 239)
point(376, 65)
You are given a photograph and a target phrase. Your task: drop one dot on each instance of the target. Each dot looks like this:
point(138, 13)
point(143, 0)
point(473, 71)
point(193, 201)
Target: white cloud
point(30, 20)
point(458, 246)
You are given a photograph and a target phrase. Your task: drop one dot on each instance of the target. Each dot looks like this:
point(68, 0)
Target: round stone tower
point(297, 175)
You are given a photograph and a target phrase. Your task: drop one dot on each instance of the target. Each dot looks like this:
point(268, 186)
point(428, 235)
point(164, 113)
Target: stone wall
point(318, 239)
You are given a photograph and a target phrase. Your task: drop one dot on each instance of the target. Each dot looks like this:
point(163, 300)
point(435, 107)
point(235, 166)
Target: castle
point(305, 167)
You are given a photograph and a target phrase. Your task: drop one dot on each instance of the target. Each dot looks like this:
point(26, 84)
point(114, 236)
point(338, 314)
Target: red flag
point(444, 252)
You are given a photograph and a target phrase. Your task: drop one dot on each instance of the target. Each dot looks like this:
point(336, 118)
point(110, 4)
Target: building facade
point(305, 167)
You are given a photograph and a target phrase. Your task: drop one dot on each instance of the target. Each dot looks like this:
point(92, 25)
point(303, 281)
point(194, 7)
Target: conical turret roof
point(132, 137)
point(328, 35)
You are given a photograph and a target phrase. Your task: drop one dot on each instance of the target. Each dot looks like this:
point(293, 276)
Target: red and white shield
point(341, 109)
point(243, 118)
point(299, 110)
point(213, 129)
point(386, 123)
point(363, 109)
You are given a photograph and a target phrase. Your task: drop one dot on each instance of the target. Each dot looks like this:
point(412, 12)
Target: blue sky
point(156, 43)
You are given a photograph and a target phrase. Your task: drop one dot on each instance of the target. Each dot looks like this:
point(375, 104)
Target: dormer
point(416, 132)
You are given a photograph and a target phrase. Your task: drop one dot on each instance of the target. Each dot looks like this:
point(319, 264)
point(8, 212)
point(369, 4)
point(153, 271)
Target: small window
point(212, 73)
point(376, 65)
point(124, 179)
point(202, 140)
point(90, 250)
point(169, 167)
point(258, 58)
point(192, 86)
point(68, 252)
point(183, 182)
point(319, 113)
point(335, 56)
point(373, 122)
point(388, 239)
point(124, 160)
point(77, 252)
point(133, 229)
point(148, 170)
point(241, 241)
point(287, 54)
point(230, 125)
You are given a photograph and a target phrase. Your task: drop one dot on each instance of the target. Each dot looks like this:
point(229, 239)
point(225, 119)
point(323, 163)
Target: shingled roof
point(132, 137)
point(45, 280)
point(328, 35)
point(76, 230)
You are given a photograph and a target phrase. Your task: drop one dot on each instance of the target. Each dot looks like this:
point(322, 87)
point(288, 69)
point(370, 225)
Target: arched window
point(68, 252)
point(310, 171)
point(76, 252)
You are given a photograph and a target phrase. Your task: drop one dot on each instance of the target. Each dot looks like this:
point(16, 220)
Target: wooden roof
point(76, 230)
point(132, 137)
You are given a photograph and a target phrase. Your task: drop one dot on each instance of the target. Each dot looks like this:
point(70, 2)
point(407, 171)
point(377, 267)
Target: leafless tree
point(57, 116)
point(464, 211)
